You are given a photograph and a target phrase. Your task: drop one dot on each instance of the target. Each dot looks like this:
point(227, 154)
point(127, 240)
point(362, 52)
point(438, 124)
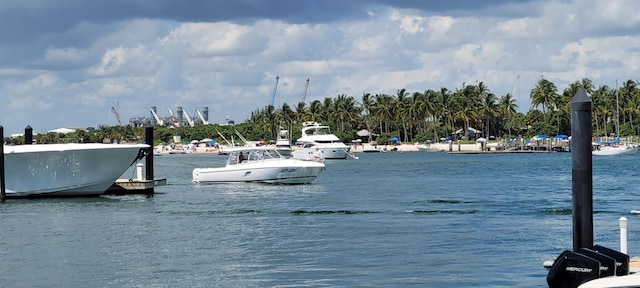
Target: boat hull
point(276, 171)
point(327, 152)
point(66, 169)
point(615, 150)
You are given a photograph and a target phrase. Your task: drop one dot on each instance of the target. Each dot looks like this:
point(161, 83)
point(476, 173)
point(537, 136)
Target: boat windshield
point(254, 155)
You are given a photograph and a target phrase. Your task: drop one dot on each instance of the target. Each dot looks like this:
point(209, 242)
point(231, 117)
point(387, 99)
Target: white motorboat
point(613, 149)
point(316, 135)
point(66, 169)
point(260, 164)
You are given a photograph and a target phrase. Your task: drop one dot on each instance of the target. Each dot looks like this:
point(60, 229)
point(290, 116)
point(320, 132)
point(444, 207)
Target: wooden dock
point(134, 186)
point(500, 152)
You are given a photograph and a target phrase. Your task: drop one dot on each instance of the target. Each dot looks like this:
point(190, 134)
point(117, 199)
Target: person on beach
point(318, 154)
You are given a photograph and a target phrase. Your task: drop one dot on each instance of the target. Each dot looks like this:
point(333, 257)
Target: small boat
point(177, 151)
point(374, 150)
point(260, 164)
point(316, 135)
point(426, 148)
point(57, 170)
point(612, 148)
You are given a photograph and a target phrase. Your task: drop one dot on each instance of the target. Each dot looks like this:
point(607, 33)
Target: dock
point(134, 186)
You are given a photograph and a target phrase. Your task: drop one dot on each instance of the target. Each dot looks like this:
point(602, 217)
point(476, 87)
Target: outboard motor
point(622, 260)
point(607, 263)
point(571, 269)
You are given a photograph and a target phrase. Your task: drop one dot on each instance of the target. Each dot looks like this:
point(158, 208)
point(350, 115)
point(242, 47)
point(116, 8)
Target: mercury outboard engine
point(622, 260)
point(571, 269)
point(607, 264)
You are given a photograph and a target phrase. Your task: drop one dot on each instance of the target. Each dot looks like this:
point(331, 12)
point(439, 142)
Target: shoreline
point(361, 147)
point(438, 147)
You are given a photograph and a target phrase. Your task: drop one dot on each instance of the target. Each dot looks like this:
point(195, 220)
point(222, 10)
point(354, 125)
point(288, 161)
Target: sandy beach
point(439, 147)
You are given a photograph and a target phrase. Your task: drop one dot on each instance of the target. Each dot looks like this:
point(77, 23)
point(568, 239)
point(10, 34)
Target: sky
point(66, 63)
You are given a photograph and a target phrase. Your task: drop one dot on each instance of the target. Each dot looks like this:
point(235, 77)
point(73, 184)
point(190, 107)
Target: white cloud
point(230, 65)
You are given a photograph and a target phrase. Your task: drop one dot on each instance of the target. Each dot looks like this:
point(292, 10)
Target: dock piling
point(582, 170)
point(148, 132)
point(28, 135)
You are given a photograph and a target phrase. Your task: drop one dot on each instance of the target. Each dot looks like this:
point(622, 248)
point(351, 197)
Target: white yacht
point(316, 135)
point(40, 170)
point(260, 164)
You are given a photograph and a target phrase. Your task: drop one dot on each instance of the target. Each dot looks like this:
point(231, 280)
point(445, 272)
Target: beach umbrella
point(539, 137)
point(562, 136)
point(394, 139)
point(481, 139)
point(194, 141)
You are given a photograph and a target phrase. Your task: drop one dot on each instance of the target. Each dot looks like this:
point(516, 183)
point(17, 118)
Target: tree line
point(412, 116)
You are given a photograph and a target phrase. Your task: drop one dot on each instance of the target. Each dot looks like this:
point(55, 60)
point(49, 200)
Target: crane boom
point(188, 118)
point(176, 121)
point(304, 94)
point(115, 113)
point(515, 86)
point(205, 122)
point(275, 89)
point(155, 115)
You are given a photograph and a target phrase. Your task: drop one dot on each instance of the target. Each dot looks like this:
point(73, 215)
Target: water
point(385, 220)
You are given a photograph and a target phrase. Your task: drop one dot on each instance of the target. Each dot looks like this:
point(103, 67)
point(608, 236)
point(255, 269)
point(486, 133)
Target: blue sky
point(66, 63)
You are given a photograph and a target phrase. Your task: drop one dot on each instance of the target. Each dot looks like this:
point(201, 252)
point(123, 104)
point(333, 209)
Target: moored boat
point(260, 164)
point(42, 170)
point(316, 135)
point(613, 148)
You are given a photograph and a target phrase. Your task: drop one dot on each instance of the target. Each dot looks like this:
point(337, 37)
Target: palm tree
point(367, 104)
point(400, 108)
point(507, 108)
point(488, 110)
point(543, 94)
point(466, 109)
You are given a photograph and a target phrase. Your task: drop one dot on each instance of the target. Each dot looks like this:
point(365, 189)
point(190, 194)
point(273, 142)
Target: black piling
point(582, 170)
point(28, 135)
point(148, 135)
point(3, 192)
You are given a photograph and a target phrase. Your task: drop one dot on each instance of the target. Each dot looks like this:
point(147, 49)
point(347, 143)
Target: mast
point(617, 111)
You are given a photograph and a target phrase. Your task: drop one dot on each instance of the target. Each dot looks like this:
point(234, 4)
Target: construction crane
point(204, 122)
point(115, 113)
point(275, 89)
point(515, 87)
point(304, 94)
point(174, 120)
point(155, 116)
point(189, 120)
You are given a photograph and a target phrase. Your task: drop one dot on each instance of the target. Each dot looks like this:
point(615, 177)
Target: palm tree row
point(433, 114)
point(414, 117)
